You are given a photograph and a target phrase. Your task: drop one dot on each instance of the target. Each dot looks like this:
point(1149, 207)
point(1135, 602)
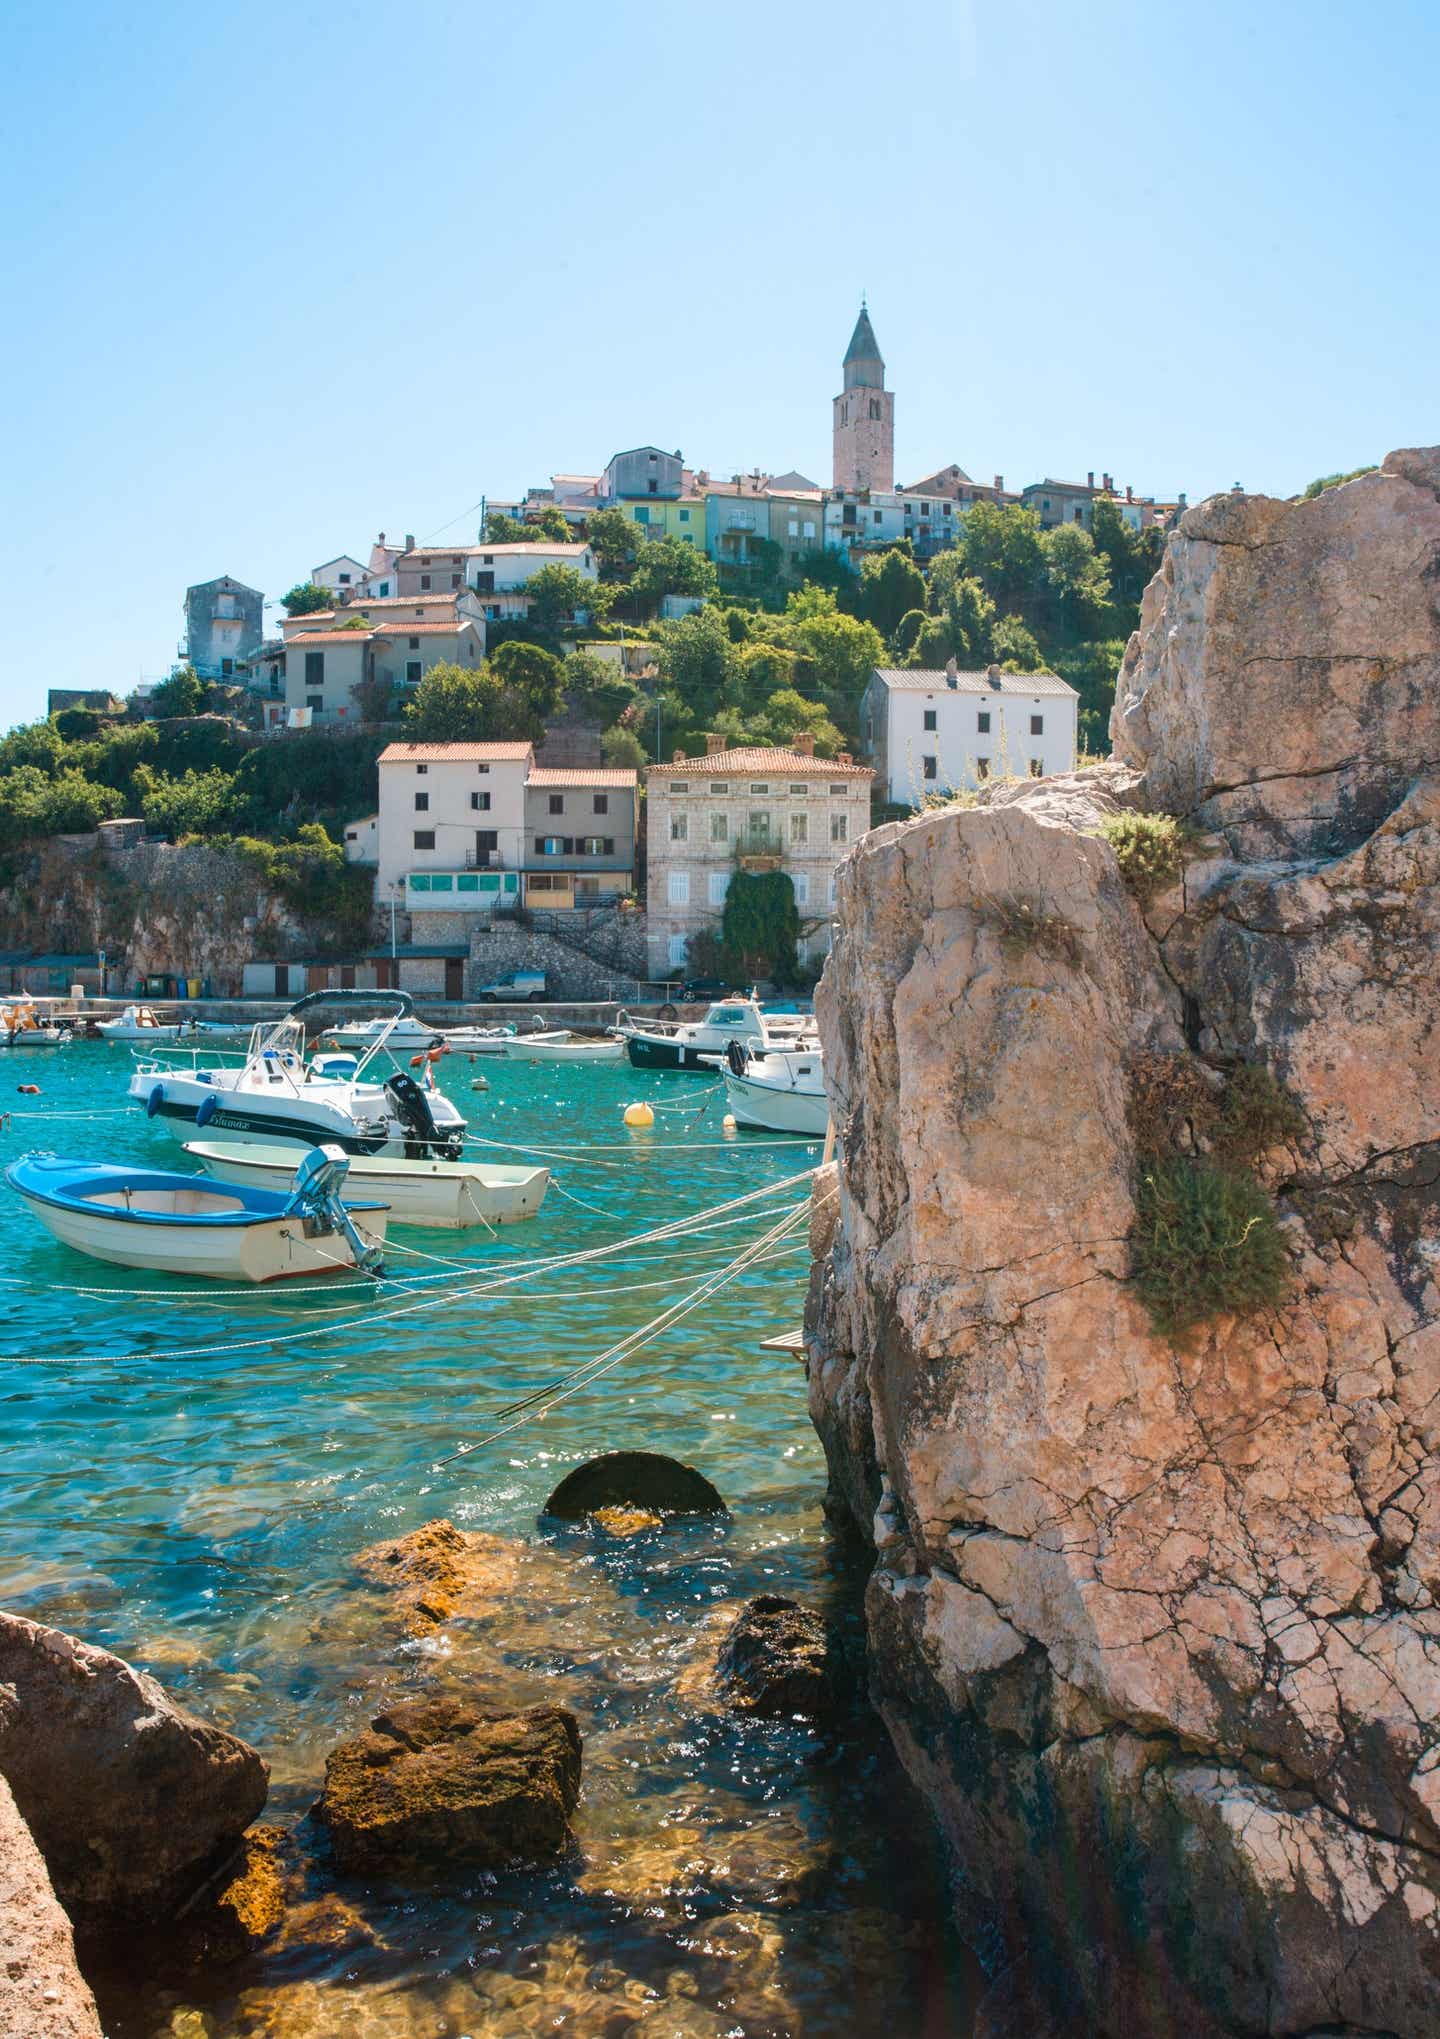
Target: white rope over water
point(697, 1224)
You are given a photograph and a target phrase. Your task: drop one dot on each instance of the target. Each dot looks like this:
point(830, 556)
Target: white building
point(855, 519)
point(469, 827)
point(945, 732)
point(746, 809)
point(338, 574)
point(488, 569)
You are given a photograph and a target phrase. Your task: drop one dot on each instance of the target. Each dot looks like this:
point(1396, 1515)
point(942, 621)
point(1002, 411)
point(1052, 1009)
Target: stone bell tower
point(864, 416)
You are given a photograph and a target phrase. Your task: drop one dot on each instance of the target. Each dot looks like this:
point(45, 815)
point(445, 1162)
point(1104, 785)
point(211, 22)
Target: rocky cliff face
point(190, 911)
point(1154, 1620)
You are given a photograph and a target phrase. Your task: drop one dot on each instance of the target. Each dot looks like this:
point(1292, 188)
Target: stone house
point(746, 809)
point(324, 667)
point(947, 731)
point(224, 625)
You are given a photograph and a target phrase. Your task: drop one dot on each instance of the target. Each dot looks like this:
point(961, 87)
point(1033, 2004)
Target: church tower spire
point(864, 415)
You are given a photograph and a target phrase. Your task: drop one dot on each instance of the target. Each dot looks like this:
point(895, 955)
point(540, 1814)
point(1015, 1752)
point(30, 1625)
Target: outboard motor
point(737, 1054)
point(412, 1107)
point(319, 1180)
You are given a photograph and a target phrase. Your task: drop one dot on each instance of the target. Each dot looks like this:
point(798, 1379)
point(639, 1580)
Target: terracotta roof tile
point(792, 763)
point(583, 775)
point(454, 753)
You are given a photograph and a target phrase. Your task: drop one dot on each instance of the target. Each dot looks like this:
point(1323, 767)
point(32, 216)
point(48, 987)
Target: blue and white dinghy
point(187, 1224)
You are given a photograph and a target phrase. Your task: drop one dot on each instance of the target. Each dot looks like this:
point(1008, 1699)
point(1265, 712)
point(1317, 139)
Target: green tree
point(622, 747)
point(668, 566)
point(192, 803)
point(305, 598)
point(837, 653)
point(1015, 648)
point(182, 694)
point(556, 592)
point(33, 743)
point(534, 681)
point(464, 704)
point(585, 672)
point(697, 662)
point(962, 624)
point(1078, 577)
point(1002, 550)
point(788, 715)
point(614, 539)
point(551, 524)
point(501, 529)
point(890, 585)
point(760, 925)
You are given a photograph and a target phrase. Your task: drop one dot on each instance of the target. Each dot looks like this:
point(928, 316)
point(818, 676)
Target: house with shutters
point(949, 731)
point(475, 828)
point(746, 809)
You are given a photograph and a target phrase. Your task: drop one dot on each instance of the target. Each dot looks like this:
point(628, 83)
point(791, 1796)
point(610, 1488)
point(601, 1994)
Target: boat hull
point(266, 1249)
point(520, 1050)
point(654, 1051)
point(765, 1107)
point(448, 1195)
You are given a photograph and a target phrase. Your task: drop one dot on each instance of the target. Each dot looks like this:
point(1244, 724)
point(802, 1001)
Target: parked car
point(519, 986)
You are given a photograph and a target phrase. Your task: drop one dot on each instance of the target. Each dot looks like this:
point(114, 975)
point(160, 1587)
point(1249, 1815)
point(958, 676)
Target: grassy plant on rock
point(1206, 1243)
point(1149, 848)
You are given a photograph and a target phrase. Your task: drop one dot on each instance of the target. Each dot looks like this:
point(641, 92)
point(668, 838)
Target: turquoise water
point(189, 1474)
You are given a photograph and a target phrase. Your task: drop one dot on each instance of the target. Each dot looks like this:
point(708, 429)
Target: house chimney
point(844, 758)
point(1090, 479)
point(1129, 493)
point(992, 674)
point(381, 539)
point(999, 484)
point(952, 672)
point(805, 743)
point(677, 757)
point(713, 743)
point(409, 541)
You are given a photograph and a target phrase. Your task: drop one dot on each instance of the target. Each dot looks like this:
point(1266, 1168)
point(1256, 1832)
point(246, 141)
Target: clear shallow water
point(200, 1515)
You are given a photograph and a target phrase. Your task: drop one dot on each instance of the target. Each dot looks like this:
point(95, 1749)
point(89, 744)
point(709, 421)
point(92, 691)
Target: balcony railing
point(759, 842)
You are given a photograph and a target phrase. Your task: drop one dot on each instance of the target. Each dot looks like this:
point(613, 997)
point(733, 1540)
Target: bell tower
point(864, 416)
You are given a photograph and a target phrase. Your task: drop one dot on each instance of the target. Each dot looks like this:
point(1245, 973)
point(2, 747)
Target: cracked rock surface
point(1157, 1627)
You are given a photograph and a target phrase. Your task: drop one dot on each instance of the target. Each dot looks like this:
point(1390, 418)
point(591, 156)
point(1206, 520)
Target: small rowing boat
point(450, 1194)
point(563, 1047)
point(183, 1224)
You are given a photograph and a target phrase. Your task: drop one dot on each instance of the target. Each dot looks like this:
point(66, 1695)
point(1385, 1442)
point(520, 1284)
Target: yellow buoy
point(728, 1122)
point(639, 1115)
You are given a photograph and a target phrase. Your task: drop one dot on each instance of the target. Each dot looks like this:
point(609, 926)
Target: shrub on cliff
point(1206, 1242)
point(1149, 848)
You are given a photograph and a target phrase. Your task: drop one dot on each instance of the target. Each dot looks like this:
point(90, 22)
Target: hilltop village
point(625, 737)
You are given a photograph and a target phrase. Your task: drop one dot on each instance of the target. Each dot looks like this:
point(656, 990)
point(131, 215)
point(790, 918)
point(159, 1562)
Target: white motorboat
point(779, 1091)
point(398, 1033)
point(275, 1095)
point(182, 1224)
point(143, 1023)
point(700, 1044)
point(560, 1046)
point(22, 1025)
point(451, 1194)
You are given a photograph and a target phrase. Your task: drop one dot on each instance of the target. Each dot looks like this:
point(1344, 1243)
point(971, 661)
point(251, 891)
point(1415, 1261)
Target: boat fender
point(154, 1101)
point(208, 1108)
point(28, 1089)
point(417, 1061)
point(736, 1055)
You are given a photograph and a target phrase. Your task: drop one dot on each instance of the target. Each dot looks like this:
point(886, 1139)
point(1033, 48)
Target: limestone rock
point(42, 1992)
point(776, 1660)
point(249, 1906)
point(436, 1780)
point(438, 1572)
point(1159, 1625)
point(132, 1800)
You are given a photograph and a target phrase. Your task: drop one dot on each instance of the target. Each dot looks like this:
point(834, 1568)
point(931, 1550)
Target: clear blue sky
point(283, 275)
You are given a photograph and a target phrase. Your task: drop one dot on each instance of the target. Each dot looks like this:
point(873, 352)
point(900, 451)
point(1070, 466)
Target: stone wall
point(1155, 1619)
point(570, 973)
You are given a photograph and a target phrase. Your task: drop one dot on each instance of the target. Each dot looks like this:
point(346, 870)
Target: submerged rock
point(132, 1800)
point(250, 1905)
point(1155, 1623)
point(42, 1992)
point(634, 1480)
point(438, 1572)
point(777, 1660)
point(437, 1780)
